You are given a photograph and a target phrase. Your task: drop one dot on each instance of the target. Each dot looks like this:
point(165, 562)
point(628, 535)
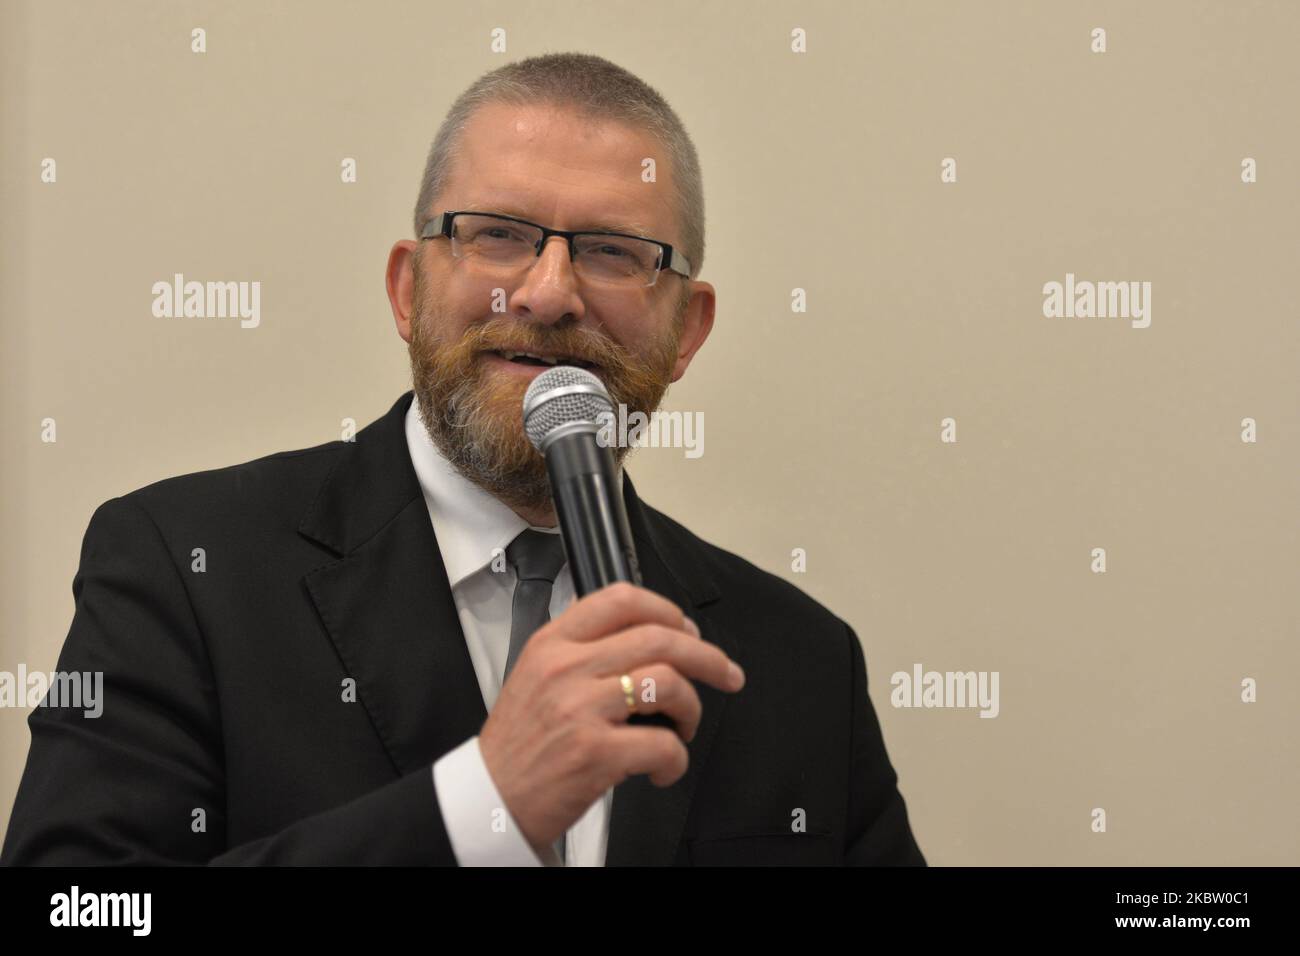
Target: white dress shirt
point(473, 528)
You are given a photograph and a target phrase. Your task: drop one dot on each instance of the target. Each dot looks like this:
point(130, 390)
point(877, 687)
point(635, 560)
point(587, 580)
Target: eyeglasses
point(508, 243)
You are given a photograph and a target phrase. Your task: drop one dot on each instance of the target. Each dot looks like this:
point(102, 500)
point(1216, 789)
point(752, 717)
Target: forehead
point(552, 165)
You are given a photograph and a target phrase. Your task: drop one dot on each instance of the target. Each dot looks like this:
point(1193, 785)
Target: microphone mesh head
point(544, 414)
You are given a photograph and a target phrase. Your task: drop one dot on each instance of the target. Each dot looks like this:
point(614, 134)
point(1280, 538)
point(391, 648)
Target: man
point(343, 654)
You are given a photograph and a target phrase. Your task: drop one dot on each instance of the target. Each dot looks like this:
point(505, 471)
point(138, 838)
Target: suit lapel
point(388, 609)
point(646, 822)
point(386, 602)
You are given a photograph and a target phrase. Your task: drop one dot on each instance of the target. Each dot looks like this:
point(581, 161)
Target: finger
point(654, 643)
point(615, 608)
point(657, 689)
point(649, 750)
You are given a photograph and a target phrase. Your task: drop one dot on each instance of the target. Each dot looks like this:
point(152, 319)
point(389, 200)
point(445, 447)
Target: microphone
point(562, 415)
point(562, 411)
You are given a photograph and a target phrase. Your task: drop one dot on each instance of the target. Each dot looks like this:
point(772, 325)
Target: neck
point(537, 517)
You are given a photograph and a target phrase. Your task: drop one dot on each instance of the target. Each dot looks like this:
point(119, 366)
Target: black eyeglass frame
point(441, 225)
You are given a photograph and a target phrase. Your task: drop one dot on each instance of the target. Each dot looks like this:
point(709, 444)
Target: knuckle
point(623, 596)
point(667, 683)
point(581, 740)
point(674, 751)
point(659, 641)
point(563, 711)
point(594, 749)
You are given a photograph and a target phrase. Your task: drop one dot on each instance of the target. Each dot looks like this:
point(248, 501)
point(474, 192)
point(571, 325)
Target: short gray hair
point(599, 90)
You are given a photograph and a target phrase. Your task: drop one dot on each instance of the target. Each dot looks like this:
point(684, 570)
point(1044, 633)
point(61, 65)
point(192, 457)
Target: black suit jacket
point(223, 689)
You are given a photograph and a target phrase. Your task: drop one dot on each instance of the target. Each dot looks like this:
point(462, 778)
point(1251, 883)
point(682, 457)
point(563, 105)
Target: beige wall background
point(1118, 690)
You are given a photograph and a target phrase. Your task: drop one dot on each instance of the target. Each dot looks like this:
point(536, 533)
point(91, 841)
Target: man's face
point(547, 166)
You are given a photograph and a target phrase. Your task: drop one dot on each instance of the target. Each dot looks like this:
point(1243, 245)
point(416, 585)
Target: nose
point(549, 291)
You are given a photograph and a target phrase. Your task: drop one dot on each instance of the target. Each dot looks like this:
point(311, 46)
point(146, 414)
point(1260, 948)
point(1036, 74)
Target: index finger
point(614, 608)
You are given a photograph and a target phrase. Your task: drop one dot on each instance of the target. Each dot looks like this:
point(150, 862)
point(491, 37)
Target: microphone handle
point(593, 523)
point(593, 520)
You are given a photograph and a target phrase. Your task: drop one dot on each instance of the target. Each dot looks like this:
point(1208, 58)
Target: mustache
point(585, 344)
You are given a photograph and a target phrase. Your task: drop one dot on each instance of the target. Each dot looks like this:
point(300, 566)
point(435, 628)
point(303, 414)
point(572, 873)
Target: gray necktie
point(537, 558)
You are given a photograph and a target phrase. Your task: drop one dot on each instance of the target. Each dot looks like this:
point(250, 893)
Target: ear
point(400, 281)
point(697, 323)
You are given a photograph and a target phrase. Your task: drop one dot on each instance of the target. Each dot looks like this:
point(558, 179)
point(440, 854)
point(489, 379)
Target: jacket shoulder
point(270, 484)
point(744, 585)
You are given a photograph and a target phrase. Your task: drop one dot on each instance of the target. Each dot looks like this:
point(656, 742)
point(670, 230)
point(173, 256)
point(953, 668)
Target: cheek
point(443, 320)
point(467, 306)
point(627, 330)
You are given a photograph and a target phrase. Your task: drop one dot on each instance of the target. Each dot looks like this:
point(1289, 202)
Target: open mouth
point(542, 361)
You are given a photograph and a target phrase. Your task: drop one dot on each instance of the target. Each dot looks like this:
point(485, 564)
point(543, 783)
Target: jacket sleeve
point(878, 830)
point(122, 787)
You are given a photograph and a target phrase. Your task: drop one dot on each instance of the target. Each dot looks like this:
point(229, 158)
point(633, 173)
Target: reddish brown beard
point(474, 416)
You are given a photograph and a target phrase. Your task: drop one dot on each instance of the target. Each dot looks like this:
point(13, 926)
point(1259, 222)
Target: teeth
point(509, 356)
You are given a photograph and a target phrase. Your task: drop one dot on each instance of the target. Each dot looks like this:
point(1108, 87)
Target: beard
point(474, 415)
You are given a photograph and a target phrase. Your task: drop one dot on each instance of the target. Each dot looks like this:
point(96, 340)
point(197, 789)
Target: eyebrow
point(596, 225)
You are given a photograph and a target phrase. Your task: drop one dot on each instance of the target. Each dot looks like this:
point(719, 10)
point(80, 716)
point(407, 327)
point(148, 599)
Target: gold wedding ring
point(628, 694)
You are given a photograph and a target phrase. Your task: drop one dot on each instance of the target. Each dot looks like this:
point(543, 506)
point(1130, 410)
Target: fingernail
point(693, 627)
point(737, 675)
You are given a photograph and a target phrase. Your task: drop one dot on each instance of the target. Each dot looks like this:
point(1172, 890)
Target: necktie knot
point(536, 555)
